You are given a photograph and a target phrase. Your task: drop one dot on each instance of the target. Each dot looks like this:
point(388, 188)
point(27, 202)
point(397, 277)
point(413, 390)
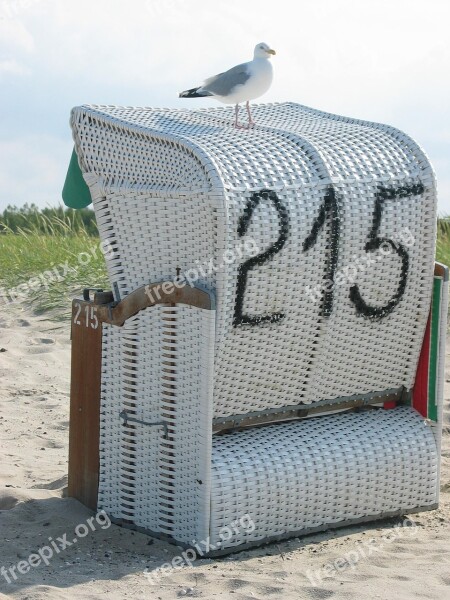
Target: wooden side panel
point(420, 389)
point(425, 398)
point(85, 389)
point(85, 403)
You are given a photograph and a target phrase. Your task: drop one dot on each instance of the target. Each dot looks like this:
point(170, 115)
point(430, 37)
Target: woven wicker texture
point(158, 369)
point(173, 189)
point(322, 471)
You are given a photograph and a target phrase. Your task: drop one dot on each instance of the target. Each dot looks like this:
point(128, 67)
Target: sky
point(380, 60)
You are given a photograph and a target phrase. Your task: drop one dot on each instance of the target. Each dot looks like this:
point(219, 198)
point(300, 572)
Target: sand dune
point(388, 559)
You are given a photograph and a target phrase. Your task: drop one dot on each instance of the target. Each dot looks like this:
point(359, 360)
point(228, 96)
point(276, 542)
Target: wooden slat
point(441, 270)
point(85, 404)
point(243, 421)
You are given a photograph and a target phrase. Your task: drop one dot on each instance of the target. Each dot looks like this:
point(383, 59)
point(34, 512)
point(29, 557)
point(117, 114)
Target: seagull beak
point(270, 51)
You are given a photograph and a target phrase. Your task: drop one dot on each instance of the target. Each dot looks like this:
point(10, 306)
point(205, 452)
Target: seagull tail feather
point(197, 92)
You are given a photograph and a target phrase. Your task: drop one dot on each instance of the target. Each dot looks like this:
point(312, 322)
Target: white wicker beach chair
point(280, 386)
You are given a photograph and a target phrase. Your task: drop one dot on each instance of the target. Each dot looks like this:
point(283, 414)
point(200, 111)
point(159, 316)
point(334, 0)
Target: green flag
point(75, 192)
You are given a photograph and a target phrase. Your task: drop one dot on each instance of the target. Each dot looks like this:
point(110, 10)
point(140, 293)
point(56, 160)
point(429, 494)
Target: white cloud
point(382, 60)
point(12, 66)
point(14, 36)
point(32, 170)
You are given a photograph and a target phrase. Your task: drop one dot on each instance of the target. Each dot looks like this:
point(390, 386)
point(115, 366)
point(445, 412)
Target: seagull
point(242, 83)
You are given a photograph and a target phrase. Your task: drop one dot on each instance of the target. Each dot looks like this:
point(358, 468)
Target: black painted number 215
point(328, 211)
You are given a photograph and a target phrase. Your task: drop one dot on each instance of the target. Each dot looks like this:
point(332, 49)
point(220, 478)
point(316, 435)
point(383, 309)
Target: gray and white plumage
point(241, 83)
point(224, 84)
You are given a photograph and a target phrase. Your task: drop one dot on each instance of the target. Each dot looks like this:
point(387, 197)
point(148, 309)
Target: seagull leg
point(236, 112)
point(251, 122)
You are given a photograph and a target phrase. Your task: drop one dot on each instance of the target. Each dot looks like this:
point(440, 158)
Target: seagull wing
point(224, 84)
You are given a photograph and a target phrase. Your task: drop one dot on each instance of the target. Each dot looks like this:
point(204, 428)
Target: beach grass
point(443, 241)
point(49, 262)
point(46, 270)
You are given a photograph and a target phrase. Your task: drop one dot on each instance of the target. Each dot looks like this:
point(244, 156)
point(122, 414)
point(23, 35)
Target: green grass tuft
point(48, 221)
point(50, 269)
point(443, 241)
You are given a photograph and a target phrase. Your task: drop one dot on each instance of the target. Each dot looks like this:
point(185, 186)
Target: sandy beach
point(393, 559)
